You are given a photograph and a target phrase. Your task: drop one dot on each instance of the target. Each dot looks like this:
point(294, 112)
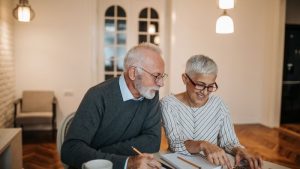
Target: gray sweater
point(105, 127)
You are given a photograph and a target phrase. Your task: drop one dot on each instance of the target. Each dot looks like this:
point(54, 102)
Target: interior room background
point(60, 49)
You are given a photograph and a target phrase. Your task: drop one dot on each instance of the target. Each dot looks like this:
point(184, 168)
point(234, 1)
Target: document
point(197, 160)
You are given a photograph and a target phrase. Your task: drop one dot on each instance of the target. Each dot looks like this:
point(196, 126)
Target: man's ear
point(183, 78)
point(131, 73)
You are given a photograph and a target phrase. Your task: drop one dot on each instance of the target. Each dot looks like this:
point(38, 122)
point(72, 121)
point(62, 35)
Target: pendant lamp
point(226, 4)
point(224, 24)
point(23, 12)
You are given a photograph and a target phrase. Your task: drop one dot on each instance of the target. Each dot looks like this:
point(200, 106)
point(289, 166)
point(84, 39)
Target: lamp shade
point(23, 12)
point(224, 25)
point(226, 4)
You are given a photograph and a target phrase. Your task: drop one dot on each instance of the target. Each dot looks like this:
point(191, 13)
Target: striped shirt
point(210, 122)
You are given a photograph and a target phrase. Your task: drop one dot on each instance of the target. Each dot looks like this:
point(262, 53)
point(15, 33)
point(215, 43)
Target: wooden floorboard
point(277, 145)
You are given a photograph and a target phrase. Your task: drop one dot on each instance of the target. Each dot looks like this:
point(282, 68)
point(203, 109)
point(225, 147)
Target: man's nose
point(160, 83)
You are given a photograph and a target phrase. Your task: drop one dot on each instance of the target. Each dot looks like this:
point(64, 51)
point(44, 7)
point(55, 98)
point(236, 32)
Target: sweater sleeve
point(76, 148)
point(148, 140)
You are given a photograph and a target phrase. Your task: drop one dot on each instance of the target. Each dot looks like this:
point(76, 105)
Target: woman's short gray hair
point(201, 64)
point(135, 56)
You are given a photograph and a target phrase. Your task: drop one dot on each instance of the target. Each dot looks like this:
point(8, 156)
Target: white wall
point(248, 60)
point(56, 52)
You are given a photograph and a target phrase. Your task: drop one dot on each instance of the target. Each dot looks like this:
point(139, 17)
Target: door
point(124, 24)
point(290, 100)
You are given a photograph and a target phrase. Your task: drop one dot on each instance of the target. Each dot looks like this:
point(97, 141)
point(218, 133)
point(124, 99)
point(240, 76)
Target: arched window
point(114, 41)
point(148, 26)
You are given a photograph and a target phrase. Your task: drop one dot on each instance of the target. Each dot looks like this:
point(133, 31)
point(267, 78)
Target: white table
point(11, 148)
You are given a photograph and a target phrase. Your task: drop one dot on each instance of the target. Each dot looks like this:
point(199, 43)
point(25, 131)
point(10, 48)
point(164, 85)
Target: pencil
point(136, 150)
point(191, 163)
point(139, 153)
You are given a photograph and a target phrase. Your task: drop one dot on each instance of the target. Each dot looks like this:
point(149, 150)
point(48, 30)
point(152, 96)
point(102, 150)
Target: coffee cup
point(97, 164)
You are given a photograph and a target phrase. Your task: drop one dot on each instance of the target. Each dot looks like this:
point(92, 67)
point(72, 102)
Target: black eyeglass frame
point(157, 77)
point(210, 87)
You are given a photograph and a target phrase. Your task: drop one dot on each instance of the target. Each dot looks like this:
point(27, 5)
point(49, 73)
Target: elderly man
point(120, 113)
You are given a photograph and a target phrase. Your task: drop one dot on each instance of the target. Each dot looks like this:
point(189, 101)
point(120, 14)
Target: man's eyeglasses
point(157, 76)
point(202, 86)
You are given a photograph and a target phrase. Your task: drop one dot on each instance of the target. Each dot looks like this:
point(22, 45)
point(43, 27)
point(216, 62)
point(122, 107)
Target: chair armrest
point(16, 103)
point(54, 103)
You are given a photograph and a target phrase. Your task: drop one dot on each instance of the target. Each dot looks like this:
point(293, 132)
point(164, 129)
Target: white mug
point(97, 164)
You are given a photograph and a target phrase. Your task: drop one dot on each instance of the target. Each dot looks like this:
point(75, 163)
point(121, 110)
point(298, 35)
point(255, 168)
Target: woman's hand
point(254, 161)
point(214, 154)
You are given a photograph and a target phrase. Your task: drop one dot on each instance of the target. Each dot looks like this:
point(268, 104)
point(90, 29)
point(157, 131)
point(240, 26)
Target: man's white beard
point(147, 92)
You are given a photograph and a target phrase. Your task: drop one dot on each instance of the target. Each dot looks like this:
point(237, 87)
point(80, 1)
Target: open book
point(173, 160)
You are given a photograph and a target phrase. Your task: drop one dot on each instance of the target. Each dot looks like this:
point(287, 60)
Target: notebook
point(172, 159)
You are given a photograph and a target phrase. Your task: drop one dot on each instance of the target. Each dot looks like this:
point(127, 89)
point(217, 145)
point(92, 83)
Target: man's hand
point(254, 161)
point(143, 161)
point(214, 154)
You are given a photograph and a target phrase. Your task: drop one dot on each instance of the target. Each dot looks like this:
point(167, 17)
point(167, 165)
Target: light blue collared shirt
point(126, 95)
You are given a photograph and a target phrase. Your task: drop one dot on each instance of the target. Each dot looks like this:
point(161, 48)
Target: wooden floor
point(276, 145)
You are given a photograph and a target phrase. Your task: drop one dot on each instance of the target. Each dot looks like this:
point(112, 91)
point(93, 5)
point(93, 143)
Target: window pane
point(156, 25)
point(121, 24)
point(109, 58)
point(109, 39)
point(143, 13)
point(110, 11)
point(121, 12)
point(109, 25)
point(121, 52)
point(142, 26)
point(152, 38)
point(154, 14)
point(142, 38)
point(121, 38)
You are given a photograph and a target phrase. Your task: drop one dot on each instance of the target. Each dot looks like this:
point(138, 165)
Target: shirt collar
point(126, 94)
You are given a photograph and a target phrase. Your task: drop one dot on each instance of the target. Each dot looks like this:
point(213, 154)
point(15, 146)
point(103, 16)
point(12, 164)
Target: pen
point(189, 162)
point(140, 153)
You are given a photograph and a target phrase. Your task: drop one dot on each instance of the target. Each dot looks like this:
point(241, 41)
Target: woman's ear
point(131, 73)
point(183, 78)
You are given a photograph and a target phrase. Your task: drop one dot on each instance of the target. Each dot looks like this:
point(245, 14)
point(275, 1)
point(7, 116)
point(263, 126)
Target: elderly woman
point(196, 121)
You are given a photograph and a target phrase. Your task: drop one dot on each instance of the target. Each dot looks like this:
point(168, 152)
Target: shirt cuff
point(125, 166)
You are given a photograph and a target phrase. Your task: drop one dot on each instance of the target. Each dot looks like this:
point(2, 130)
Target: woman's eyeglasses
point(202, 86)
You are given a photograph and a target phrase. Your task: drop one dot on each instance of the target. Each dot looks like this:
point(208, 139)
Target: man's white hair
point(135, 56)
point(202, 65)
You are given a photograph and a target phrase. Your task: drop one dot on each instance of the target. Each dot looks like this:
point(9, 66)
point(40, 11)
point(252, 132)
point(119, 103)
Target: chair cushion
point(37, 101)
point(34, 118)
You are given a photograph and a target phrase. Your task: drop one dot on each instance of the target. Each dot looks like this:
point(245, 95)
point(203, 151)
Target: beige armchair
point(36, 110)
